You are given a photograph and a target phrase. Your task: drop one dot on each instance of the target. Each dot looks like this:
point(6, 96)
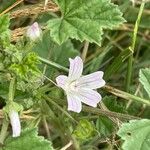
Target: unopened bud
point(34, 31)
point(15, 123)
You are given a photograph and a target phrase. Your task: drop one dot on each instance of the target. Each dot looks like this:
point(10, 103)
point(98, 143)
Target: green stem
point(53, 64)
point(134, 37)
point(126, 95)
point(10, 100)
point(3, 130)
point(11, 90)
point(99, 111)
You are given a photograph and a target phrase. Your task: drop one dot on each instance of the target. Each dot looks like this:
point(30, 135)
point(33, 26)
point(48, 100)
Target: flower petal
point(15, 123)
point(89, 97)
point(76, 68)
point(92, 81)
point(61, 81)
point(74, 103)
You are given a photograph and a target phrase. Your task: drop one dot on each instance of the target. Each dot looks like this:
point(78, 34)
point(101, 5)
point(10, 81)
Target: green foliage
point(44, 103)
point(104, 126)
point(84, 20)
point(117, 63)
point(26, 66)
point(84, 130)
point(96, 62)
point(55, 52)
point(113, 105)
point(145, 21)
point(144, 77)
point(29, 140)
point(136, 134)
point(4, 31)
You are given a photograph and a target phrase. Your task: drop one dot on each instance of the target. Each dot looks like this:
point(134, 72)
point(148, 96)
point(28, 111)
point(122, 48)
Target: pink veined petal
point(89, 97)
point(74, 103)
point(76, 68)
point(15, 123)
point(92, 81)
point(61, 81)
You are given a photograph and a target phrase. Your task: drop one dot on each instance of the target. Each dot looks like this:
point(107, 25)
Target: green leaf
point(136, 134)
point(29, 140)
point(4, 29)
point(105, 126)
point(96, 62)
point(117, 63)
point(84, 20)
point(4, 23)
point(144, 77)
point(114, 105)
point(54, 52)
point(57, 53)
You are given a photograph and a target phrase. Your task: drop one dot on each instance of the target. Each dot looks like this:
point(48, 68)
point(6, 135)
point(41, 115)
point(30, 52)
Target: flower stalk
point(11, 90)
point(132, 48)
point(53, 64)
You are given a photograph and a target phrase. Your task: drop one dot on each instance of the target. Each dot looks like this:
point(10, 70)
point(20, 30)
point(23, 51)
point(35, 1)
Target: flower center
point(71, 86)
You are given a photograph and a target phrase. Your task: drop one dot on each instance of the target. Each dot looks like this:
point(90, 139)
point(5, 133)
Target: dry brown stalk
point(17, 33)
point(34, 10)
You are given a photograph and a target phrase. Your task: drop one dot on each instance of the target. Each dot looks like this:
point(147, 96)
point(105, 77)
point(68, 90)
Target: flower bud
point(34, 31)
point(15, 123)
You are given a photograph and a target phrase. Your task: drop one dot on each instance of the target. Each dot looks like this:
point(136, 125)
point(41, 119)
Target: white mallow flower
point(34, 31)
point(15, 123)
point(80, 88)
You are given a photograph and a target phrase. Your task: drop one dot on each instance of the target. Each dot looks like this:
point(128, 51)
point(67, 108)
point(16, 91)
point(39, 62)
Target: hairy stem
point(53, 64)
point(108, 113)
point(11, 90)
point(126, 95)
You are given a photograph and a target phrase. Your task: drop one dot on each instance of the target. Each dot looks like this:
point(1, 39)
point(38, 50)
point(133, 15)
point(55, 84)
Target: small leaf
point(29, 140)
point(144, 77)
point(4, 29)
point(136, 134)
point(84, 20)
